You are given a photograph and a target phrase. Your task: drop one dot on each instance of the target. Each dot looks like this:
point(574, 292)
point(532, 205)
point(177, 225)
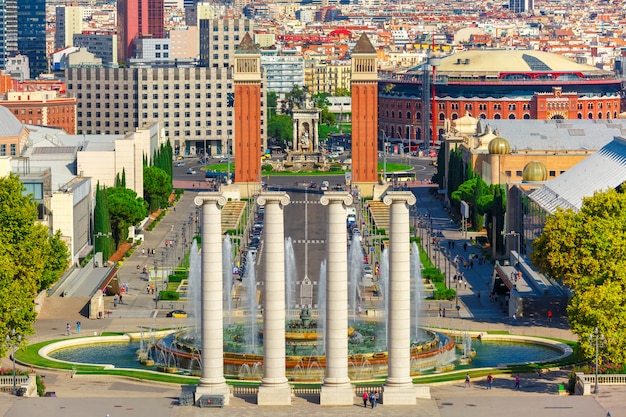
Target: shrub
point(177, 277)
point(169, 295)
point(267, 167)
point(444, 294)
point(41, 386)
point(433, 274)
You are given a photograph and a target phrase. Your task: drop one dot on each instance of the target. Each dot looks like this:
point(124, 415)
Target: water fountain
point(380, 294)
point(355, 272)
point(321, 306)
point(417, 292)
point(249, 281)
point(194, 288)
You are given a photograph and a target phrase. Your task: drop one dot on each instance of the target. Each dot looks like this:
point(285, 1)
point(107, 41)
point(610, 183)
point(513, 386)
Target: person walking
point(489, 381)
point(467, 380)
point(69, 329)
point(78, 327)
point(365, 398)
point(517, 382)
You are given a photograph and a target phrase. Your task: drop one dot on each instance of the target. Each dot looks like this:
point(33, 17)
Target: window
point(13, 149)
point(3, 150)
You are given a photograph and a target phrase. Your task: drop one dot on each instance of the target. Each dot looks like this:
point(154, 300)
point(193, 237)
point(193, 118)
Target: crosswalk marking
point(304, 202)
point(311, 241)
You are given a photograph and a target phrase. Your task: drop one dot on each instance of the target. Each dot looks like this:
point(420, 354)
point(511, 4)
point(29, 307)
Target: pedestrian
point(148, 289)
point(78, 327)
point(550, 316)
point(143, 252)
point(489, 381)
point(121, 299)
point(517, 382)
point(69, 329)
point(465, 246)
point(359, 310)
point(152, 288)
point(467, 380)
point(372, 399)
point(365, 398)
point(443, 312)
point(126, 287)
point(115, 299)
point(439, 311)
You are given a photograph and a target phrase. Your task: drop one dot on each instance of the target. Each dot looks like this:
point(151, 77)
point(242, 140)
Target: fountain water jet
point(355, 271)
point(321, 307)
point(291, 276)
point(194, 287)
point(417, 292)
point(227, 271)
point(249, 280)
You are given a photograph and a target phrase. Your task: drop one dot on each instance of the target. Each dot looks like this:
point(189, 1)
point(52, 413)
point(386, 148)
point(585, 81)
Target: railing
point(585, 382)
point(303, 390)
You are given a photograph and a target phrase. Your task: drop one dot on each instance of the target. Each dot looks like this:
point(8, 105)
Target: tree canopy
point(157, 187)
point(30, 259)
point(280, 128)
point(586, 250)
point(126, 209)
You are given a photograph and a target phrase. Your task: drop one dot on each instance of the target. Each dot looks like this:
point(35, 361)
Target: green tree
point(280, 127)
point(30, 260)
point(342, 92)
point(126, 209)
point(272, 104)
point(157, 187)
point(57, 255)
point(103, 234)
point(586, 250)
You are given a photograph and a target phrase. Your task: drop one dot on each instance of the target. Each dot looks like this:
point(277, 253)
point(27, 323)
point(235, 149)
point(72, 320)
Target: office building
point(8, 30)
point(219, 38)
point(137, 19)
point(31, 34)
point(191, 104)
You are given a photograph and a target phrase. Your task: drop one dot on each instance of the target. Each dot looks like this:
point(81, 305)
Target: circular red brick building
point(493, 84)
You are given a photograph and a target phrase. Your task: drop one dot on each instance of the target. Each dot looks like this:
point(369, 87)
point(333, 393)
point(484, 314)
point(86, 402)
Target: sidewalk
point(476, 311)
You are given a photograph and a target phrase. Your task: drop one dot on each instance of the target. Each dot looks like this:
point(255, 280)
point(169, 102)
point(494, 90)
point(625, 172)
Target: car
point(191, 171)
point(338, 187)
point(367, 270)
point(224, 160)
point(218, 156)
point(313, 185)
point(180, 164)
point(177, 314)
point(324, 186)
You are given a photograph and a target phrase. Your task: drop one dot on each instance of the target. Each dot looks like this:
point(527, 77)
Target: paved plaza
point(102, 395)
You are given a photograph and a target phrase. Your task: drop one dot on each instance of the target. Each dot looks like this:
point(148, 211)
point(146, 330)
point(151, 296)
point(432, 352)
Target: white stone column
point(212, 380)
point(337, 389)
point(399, 389)
point(274, 388)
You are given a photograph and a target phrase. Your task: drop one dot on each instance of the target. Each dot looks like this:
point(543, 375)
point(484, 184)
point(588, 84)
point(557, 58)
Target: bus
point(218, 176)
point(400, 176)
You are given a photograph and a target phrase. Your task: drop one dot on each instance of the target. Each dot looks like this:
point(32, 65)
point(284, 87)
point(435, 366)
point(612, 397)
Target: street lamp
point(596, 333)
point(14, 341)
point(156, 285)
point(384, 155)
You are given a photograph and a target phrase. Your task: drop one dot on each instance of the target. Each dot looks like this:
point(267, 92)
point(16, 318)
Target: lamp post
point(384, 155)
point(14, 341)
point(156, 285)
point(596, 333)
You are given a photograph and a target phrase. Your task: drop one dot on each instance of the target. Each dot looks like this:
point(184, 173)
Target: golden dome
point(499, 146)
point(535, 171)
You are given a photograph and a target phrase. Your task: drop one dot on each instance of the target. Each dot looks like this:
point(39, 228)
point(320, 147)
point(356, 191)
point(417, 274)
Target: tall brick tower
point(364, 115)
point(247, 78)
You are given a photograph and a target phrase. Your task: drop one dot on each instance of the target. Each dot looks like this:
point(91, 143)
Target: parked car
point(177, 314)
point(180, 164)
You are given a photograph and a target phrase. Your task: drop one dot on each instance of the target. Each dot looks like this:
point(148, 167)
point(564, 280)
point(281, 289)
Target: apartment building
point(191, 104)
point(69, 21)
point(282, 73)
point(326, 77)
